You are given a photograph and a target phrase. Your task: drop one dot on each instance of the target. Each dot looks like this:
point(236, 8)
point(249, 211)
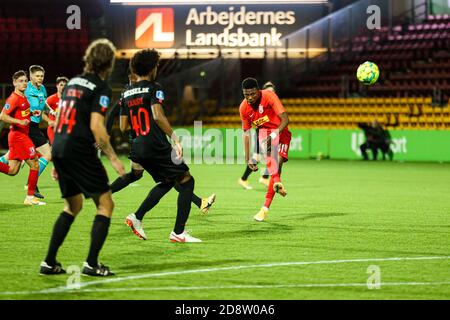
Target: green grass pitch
point(340, 219)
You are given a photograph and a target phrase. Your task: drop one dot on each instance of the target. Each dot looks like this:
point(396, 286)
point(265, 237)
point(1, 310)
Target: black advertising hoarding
point(224, 26)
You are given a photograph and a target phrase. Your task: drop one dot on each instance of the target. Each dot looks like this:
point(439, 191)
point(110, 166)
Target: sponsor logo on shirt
point(104, 102)
point(25, 113)
point(261, 121)
point(36, 113)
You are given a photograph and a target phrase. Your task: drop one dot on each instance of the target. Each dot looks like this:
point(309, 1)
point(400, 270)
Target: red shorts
point(21, 147)
point(282, 141)
point(50, 134)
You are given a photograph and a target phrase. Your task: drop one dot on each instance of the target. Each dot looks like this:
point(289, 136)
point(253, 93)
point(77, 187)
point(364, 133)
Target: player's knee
point(187, 183)
point(47, 155)
point(106, 208)
point(138, 174)
point(34, 165)
point(185, 178)
point(13, 171)
point(73, 210)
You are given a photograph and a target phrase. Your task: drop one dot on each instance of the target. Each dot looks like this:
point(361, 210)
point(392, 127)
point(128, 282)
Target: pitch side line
point(275, 286)
point(207, 270)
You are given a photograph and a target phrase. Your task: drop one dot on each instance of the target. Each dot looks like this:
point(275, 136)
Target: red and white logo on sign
point(155, 28)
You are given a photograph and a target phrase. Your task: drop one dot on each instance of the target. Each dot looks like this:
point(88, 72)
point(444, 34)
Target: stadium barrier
point(225, 145)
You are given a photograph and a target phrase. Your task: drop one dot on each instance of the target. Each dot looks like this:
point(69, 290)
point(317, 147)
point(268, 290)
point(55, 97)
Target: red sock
point(270, 193)
point(32, 181)
point(4, 168)
point(272, 167)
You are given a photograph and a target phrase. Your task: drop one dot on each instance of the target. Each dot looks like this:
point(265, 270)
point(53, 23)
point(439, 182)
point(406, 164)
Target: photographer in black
point(376, 138)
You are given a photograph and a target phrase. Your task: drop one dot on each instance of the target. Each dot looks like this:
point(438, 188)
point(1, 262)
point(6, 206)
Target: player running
point(142, 104)
point(264, 179)
point(263, 109)
point(17, 113)
point(79, 132)
point(53, 104)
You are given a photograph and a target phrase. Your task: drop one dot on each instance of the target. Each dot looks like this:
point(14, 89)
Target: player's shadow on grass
point(321, 215)
point(11, 206)
point(168, 266)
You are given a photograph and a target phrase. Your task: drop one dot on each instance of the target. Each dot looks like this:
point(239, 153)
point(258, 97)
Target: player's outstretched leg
point(60, 230)
point(134, 220)
point(123, 182)
point(186, 190)
point(99, 232)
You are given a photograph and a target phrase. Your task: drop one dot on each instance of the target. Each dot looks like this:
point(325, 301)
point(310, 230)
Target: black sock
point(98, 236)
point(195, 199)
point(186, 190)
point(126, 180)
point(60, 230)
point(153, 198)
point(247, 172)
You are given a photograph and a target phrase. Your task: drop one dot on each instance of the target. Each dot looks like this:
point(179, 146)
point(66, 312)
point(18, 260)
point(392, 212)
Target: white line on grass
point(174, 273)
point(274, 286)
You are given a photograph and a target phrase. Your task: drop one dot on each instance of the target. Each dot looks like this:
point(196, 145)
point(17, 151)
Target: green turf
point(335, 210)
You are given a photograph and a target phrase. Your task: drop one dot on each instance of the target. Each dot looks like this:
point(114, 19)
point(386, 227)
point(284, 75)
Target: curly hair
point(99, 56)
point(144, 61)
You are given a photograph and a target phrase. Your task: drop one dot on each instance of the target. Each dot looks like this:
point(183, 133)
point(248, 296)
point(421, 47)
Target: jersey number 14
point(67, 116)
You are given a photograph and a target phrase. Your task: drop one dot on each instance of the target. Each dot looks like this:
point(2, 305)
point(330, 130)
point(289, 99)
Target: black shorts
point(160, 166)
point(84, 175)
point(36, 135)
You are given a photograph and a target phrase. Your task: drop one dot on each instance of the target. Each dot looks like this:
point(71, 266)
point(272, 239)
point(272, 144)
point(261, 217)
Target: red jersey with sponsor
point(17, 106)
point(265, 116)
point(53, 103)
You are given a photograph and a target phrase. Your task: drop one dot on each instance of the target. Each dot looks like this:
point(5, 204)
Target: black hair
point(144, 61)
point(250, 83)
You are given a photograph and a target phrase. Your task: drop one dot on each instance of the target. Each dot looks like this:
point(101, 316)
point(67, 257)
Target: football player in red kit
point(263, 109)
point(53, 102)
point(17, 113)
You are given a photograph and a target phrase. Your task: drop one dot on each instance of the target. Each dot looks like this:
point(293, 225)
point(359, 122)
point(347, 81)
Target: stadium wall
point(407, 145)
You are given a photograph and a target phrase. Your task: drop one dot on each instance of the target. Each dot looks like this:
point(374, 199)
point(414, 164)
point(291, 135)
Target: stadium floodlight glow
point(212, 2)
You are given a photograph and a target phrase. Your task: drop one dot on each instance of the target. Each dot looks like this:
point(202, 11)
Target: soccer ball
point(368, 73)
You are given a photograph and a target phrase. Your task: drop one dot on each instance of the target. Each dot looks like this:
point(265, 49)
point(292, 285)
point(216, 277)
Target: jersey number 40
point(140, 121)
